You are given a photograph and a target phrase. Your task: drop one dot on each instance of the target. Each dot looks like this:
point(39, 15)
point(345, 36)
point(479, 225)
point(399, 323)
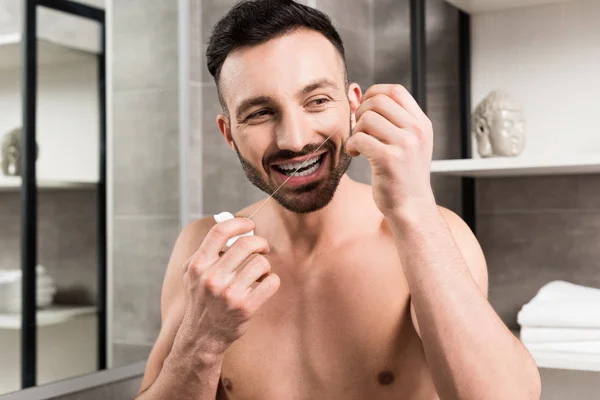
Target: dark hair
point(253, 22)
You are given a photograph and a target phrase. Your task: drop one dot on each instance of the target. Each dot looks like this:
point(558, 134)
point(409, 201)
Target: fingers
point(218, 236)
point(239, 252)
point(389, 110)
point(256, 268)
point(365, 144)
point(263, 292)
point(379, 127)
point(399, 94)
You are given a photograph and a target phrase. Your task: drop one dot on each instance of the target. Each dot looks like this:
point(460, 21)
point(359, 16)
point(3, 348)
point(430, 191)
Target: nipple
point(224, 216)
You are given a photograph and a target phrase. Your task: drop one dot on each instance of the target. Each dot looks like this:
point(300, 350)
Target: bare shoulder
point(468, 245)
point(172, 296)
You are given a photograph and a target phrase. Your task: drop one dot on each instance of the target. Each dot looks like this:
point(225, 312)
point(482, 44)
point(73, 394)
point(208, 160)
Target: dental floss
point(291, 176)
point(224, 216)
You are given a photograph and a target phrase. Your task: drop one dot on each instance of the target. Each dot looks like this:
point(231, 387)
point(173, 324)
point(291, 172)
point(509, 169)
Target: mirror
point(69, 185)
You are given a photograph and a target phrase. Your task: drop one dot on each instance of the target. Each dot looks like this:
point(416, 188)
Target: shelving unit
point(481, 6)
point(518, 166)
point(9, 183)
point(49, 52)
point(53, 87)
point(53, 315)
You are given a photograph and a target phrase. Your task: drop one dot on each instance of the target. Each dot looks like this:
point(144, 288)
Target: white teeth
point(306, 172)
point(302, 164)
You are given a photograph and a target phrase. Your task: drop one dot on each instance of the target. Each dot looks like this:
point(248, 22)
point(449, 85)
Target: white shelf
point(518, 166)
point(49, 52)
point(10, 183)
point(48, 316)
point(483, 6)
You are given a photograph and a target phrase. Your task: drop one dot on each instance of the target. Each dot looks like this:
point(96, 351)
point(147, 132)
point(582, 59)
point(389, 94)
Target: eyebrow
point(321, 83)
point(251, 102)
point(262, 100)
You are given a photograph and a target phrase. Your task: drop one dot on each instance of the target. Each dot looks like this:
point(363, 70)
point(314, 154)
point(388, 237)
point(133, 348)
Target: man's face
point(285, 98)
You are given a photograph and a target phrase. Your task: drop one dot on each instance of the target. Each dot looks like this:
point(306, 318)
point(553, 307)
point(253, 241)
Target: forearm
point(186, 375)
point(471, 353)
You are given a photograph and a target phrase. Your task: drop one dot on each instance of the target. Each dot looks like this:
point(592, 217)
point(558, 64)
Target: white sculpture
point(498, 124)
point(10, 153)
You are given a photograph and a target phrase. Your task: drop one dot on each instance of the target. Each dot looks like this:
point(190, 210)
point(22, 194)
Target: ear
point(223, 124)
point(354, 97)
point(481, 131)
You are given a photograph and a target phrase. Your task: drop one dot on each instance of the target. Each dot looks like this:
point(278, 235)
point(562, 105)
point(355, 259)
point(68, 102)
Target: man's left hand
point(397, 138)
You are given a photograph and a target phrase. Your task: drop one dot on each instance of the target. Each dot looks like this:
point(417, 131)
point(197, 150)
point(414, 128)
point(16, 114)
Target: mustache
point(288, 154)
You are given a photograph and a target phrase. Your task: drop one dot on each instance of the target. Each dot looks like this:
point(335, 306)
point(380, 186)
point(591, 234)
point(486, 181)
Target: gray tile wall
point(196, 112)
point(145, 219)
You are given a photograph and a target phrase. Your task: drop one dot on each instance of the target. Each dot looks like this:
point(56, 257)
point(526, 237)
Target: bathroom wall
point(143, 168)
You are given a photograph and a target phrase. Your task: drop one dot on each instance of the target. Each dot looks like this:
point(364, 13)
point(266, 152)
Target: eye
point(259, 113)
point(320, 101)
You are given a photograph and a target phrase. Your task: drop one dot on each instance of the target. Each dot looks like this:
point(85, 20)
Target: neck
point(307, 232)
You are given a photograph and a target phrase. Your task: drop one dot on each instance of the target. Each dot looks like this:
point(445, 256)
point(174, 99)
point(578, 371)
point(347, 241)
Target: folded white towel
point(14, 275)
point(560, 313)
point(574, 361)
point(557, 290)
point(592, 347)
point(562, 304)
point(532, 334)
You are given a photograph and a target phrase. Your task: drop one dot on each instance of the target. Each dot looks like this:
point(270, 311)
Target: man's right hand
point(223, 292)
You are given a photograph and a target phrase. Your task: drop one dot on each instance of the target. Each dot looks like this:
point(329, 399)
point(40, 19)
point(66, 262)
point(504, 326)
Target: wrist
point(189, 363)
point(413, 215)
point(196, 349)
point(414, 212)
point(191, 372)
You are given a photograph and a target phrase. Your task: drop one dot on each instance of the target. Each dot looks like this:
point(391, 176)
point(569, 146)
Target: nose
point(292, 132)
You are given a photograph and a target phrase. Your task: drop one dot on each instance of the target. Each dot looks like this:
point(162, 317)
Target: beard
point(306, 198)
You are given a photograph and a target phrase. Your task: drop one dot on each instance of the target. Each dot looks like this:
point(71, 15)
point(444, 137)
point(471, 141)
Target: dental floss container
point(224, 216)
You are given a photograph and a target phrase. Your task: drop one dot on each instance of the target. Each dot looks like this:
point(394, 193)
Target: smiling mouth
point(308, 167)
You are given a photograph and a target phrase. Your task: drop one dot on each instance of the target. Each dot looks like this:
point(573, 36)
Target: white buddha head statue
point(498, 124)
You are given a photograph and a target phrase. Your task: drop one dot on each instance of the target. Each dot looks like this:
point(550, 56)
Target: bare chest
point(339, 328)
